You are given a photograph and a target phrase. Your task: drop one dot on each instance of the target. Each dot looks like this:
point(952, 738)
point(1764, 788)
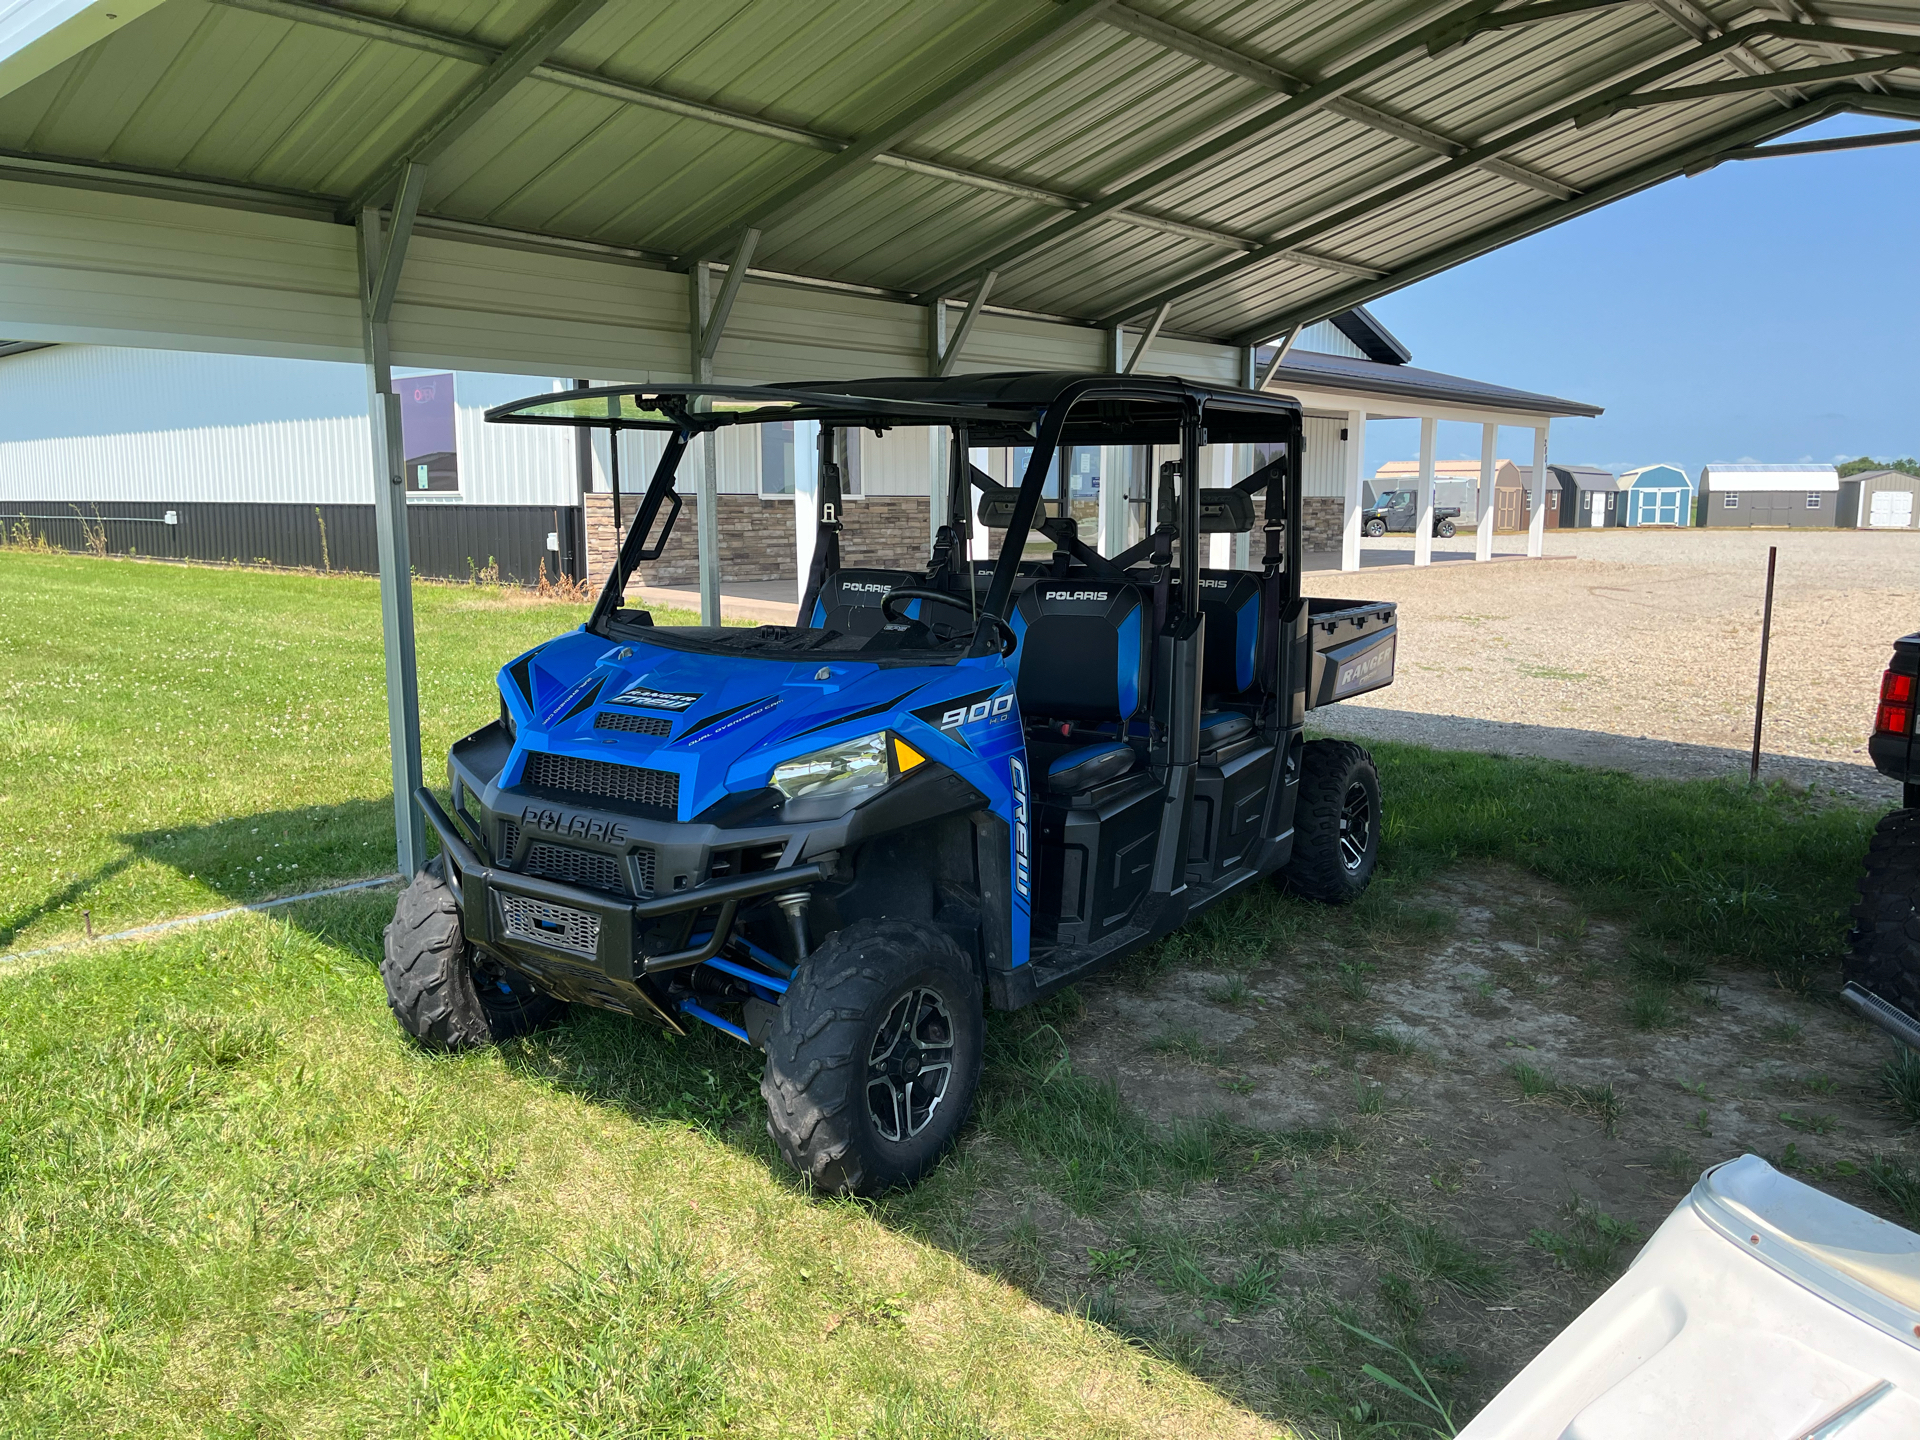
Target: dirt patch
point(1452, 1126)
point(1650, 635)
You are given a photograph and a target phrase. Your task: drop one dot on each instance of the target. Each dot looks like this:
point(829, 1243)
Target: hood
point(720, 722)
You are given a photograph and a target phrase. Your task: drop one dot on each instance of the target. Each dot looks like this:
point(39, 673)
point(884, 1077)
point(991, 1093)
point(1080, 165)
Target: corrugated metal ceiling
point(1102, 159)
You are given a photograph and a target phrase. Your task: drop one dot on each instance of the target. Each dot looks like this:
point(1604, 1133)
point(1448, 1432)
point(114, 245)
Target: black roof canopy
point(997, 409)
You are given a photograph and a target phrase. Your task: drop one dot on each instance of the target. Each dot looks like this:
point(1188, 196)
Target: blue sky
point(1766, 311)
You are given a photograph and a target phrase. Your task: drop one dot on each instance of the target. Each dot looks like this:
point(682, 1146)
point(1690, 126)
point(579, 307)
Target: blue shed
point(1658, 495)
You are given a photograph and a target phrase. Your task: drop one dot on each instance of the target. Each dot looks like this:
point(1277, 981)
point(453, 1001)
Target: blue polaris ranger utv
point(965, 785)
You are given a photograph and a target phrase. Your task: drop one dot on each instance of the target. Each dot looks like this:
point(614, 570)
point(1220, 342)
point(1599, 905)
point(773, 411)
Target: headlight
point(862, 764)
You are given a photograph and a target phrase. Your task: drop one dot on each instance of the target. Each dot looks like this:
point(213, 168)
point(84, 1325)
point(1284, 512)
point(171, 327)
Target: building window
point(776, 458)
point(1731, 500)
point(1813, 499)
point(426, 434)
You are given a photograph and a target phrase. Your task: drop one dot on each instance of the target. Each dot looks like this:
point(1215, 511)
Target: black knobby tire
point(1884, 947)
point(1444, 529)
point(1375, 527)
point(1336, 823)
point(434, 990)
point(829, 1105)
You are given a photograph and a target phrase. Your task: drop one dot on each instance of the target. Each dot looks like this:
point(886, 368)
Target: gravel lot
point(1637, 650)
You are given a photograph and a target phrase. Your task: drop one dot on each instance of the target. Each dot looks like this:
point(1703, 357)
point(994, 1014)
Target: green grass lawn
point(174, 739)
point(234, 1201)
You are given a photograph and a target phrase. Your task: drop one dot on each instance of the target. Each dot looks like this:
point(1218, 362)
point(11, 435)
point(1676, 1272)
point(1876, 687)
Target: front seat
point(1083, 656)
point(849, 600)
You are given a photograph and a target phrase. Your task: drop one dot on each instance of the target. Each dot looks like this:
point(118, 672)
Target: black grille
point(659, 789)
point(576, 867)
point(634, 724)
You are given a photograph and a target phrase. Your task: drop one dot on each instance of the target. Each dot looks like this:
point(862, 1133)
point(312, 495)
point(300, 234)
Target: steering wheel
point(1009, 642)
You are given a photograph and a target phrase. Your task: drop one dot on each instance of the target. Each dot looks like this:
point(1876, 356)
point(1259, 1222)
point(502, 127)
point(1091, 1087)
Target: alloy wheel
point(1356, 826)
point(910, 1064)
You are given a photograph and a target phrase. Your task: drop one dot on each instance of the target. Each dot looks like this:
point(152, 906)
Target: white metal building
point(223, 457)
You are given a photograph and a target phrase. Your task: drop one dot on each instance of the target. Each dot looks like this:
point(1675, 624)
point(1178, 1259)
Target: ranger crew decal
point(1022, 845)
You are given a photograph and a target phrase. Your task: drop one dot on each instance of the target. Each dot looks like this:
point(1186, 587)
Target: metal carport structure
point(752, 190)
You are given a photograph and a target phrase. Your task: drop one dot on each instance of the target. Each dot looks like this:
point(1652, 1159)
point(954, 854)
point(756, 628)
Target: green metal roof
point(1249, 164)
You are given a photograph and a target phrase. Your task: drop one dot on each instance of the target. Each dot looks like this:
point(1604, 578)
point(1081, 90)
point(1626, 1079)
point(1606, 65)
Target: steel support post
point(1423, 495)
point(1351, 456)
point(706, 481)
point(1489, 496)
point(1537, 521)
point(380, 262)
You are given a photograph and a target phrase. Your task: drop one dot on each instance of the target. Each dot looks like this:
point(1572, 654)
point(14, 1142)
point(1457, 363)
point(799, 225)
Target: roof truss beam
point(1778, 80)
point(1696, 22)
point(1812, 147)
point(1068, 17)
point(1186, 42)
point(1151, 334)
point(1636, 179)
point(1178, 162)
point(950, 356)
point(709, 328)
point(413, 37)
point(504, 72)
point(1526, 131)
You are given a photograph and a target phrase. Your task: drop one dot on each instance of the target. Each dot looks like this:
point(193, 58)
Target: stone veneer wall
point(885, 532)
point(756, 540)
point(1320, 520)
point(882, 532)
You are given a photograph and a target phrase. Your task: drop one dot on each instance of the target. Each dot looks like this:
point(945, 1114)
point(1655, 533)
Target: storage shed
point(1880, 500)
point(1457, 482)
point(1657, 495)
point(1589, 498)
point(1769, 496)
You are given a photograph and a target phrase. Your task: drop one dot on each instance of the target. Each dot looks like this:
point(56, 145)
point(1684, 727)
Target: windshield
point(1397, 498)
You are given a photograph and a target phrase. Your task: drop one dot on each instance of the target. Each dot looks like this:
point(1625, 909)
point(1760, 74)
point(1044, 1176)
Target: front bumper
point(588, 944)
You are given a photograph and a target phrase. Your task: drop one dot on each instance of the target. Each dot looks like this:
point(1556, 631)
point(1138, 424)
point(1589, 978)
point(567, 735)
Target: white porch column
point(1243, 465)
point(1423, 496)
point(978, 536)
point(806, 495)
point(1115, 466)
point(1218, 472)
point(1355, 445)
point(939, 444)
point(1537, 522)
point(1483, 531)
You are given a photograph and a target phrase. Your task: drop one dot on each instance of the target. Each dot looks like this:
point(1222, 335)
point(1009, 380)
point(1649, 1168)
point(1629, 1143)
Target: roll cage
point(1037, 411)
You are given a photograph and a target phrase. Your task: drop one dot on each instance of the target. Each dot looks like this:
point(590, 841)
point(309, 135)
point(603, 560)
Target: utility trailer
point(965, 785)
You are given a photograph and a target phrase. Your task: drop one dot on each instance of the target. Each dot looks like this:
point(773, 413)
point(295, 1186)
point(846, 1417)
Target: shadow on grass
point(1753, 878)
point(242, 860)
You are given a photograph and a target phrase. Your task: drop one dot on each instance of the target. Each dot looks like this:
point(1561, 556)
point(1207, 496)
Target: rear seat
point(1230, 599)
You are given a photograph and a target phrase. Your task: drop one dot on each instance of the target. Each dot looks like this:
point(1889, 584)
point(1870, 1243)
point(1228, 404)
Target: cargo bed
point(1353, 644)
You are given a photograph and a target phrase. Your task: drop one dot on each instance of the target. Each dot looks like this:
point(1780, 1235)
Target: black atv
point(1883, 964)
point(1399, 511)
